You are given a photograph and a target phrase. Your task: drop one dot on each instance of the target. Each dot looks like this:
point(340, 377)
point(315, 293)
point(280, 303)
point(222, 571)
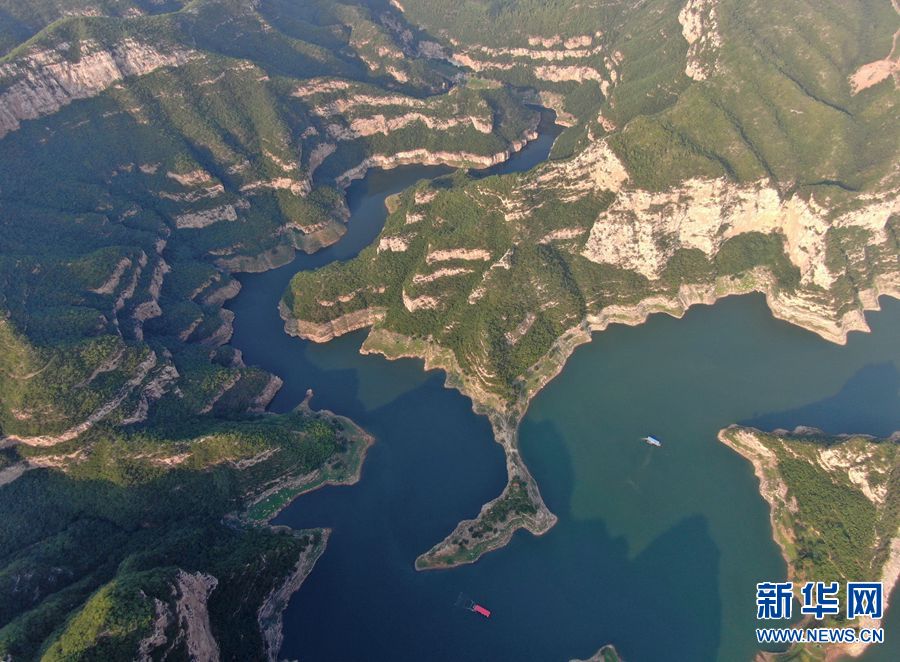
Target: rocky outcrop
point(553, 59)
point(193, 590)
point(270, 259)
point(318, 155)
point(875, 72)
point(641, 230)
point(606, 654)
point(269, 616)
point(851, 463)
point(13, 472)
point(424, 302)
point(223, 332)
point(351, 113)
point(394, 244)
point(477, 254)
point(558, 74)
point(300, 188)
point(182, 620)
point(426, 157)
point(206, 217)
point(164, 380)
point(112, 282)
point(261, 401)
point(700, 27)
point(98, 414)
point(419, 279)
point(595, 168)
point(157, 638)
point(44, 79)
point(323, 332)
point(220, 295)
point(191, 178)
point(150, 308)
point(369, 126)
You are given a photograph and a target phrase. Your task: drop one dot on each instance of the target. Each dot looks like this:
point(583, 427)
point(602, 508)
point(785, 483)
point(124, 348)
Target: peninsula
point(165, 147)
point(833, 503)
point(640, 210)
point(154, 150)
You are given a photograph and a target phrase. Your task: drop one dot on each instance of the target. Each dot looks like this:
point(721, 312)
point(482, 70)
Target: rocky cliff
point(855, 476)
point(42, 80)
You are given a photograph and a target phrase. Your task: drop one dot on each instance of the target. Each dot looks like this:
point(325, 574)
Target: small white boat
point(653, 441)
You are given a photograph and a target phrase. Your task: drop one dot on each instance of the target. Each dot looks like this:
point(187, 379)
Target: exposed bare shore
point(270, 613)
point(772, 487)
point(282, 492)
point(605, 654)
point(460, 547)
point(783, 510)
point(345, 469)
point(505, 416)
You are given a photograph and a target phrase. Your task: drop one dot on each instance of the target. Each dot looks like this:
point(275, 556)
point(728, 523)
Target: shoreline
point(506, 416)
point(283, 254)
point(270, 616)
point(772, 488)
point(266, 505)
point(607, 653)
point(263, 507)
point(783, 511)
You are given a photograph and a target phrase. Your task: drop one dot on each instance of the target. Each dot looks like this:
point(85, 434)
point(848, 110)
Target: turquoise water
point(657, 550)
point(683, 380)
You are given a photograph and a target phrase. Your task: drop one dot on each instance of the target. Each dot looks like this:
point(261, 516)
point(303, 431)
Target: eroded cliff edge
point(741, 173)
point(833, 507)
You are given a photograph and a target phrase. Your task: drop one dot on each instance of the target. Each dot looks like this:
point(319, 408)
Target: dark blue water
point(657, 552)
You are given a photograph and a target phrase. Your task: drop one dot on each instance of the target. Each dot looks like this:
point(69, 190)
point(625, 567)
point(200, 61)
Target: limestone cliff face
point(43, 80)
point(699, 22)
point(553, 59)
point(326, 331)
point(427, 157)
point(642, 229)
point(269, 616)
point(346, 111)
point(183, 619)
point(843, 250)
point(193, 591)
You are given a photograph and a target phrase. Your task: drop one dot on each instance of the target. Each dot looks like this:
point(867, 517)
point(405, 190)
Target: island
point(606, 654)
point(833, 503)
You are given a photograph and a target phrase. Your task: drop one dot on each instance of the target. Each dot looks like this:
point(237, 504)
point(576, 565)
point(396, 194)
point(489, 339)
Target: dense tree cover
point(499, 322)
point(107, 297)
point(839, 510)
point(777, 103)
point(839, 531)
point(94, 546)
point(111, 310)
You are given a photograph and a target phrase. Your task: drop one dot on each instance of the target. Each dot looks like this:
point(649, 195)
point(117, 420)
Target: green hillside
point(153, 149)
point(150, 150)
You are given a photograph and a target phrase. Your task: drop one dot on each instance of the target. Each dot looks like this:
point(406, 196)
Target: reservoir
point(657, 550)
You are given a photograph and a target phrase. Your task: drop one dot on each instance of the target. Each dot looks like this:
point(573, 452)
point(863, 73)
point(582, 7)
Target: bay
point(656, 551)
